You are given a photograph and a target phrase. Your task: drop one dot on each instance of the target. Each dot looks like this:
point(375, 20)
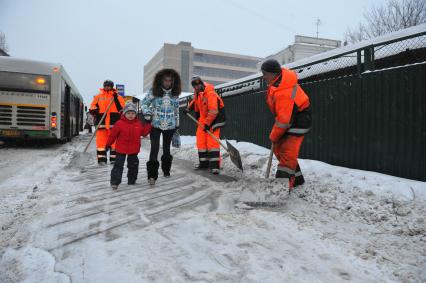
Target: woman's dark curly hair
point(157, 89)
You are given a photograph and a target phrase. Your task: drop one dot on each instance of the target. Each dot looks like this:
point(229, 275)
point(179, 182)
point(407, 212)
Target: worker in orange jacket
point(209, 109)
point(98, 107)
point(291, 107)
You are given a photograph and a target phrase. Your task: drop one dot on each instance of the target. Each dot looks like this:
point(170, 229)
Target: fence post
point(369, 58)
point(359, 62)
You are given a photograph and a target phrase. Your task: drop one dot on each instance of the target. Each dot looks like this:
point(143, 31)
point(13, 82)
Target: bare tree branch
point(392, 16)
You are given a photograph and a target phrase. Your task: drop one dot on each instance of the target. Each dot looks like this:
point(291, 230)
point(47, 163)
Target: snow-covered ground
point(60, 222)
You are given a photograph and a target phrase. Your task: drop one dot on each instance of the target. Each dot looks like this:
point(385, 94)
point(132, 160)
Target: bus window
point(10, 81)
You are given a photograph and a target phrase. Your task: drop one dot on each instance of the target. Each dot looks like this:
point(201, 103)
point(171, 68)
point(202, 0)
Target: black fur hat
point(157, 90)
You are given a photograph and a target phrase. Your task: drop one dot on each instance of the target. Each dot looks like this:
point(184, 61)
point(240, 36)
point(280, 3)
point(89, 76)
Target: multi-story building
point(303, 46)
point(213, 66)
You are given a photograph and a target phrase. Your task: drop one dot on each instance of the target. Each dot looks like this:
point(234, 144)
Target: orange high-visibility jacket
point(287, 102)
point(100, 103)
point(208, 104)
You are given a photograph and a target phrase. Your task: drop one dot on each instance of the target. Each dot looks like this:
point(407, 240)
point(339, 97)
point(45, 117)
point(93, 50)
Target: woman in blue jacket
point(161, 108)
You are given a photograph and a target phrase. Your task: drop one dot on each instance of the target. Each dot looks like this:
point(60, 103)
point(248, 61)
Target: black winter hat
point(271, 66)
point(108, 83)
point(196, 80)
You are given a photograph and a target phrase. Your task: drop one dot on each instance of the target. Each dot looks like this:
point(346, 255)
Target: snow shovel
point(97, 127)
point(261, 193)
point(268, 168)
point(234, 154)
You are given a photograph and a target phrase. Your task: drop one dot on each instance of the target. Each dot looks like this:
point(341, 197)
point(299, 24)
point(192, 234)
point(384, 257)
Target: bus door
point(65, 115)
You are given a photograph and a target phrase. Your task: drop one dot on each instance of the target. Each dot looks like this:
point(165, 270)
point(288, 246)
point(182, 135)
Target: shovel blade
point(234, 154)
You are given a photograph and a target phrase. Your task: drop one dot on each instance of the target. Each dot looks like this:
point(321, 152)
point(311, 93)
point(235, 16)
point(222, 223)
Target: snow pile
point(255, 162)
point(341, 225)
point(264, 192)
point(379, 217)
point(29, 265)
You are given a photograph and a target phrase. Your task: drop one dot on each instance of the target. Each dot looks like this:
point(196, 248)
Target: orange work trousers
point(287, 152)
point(101, 140)
point(208, 149)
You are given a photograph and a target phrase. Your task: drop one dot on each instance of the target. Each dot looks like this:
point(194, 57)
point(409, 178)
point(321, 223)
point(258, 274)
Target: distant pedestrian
point(160, 107)
point(127, 134)
point(108, 95)
point(89, 122)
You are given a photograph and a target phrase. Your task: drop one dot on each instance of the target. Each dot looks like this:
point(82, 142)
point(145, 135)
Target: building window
point(224, 60)
point(221, 73)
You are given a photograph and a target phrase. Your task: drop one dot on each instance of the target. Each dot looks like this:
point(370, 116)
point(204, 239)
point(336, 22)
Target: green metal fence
point(374, 121)
point(368, 101)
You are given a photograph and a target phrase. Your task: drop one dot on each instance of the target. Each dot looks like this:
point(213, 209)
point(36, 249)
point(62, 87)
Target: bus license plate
point(11, 133)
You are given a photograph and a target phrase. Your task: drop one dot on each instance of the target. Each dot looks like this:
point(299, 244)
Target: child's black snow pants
point(132, 166)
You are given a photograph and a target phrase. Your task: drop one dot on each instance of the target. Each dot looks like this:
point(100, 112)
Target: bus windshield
point(22, 82)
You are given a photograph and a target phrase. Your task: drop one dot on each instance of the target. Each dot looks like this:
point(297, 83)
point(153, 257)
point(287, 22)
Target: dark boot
point(299, 180)
point(102, 159)
point(203, 165)
point(285, 175)
point(204, 160)
point(152, 168)
point(166, 164)
point(214, 159)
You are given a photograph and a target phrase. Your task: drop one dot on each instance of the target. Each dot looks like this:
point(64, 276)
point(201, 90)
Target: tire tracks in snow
point(94, 209)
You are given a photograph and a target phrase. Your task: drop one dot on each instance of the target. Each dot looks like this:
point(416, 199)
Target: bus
point(38, 100)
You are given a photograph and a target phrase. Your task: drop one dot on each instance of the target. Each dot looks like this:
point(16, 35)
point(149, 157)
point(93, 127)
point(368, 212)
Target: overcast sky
point(98, 40)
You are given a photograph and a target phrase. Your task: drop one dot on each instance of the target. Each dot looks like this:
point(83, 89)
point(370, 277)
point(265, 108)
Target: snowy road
point(62, 223)
point(95, 209)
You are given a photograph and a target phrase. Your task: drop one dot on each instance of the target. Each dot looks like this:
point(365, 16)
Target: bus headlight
point(40, 81)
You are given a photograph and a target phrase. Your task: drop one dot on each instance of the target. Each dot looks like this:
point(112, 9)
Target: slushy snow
point(62, 223)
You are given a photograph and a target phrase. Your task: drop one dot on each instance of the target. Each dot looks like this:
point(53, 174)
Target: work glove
point(206, 128)
point(94, 111)
point(185, 111)
point(147, 118)
point(107, 148)
point(115, 94)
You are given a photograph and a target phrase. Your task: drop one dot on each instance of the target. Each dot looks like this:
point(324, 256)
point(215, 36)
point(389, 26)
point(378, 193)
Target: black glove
point(185, 110)
point(94, 111)
point(206, 127)
point(116, 101)
point(107, 148)
point(147, 118)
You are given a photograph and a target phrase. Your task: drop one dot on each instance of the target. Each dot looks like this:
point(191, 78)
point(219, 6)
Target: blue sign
point(120, 89)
